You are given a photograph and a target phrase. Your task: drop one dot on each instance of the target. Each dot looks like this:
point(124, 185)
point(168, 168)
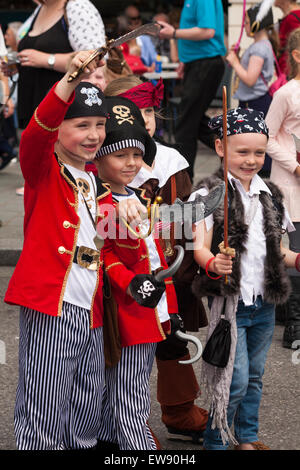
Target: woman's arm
point(276, 115)
point(192, 34)
point(85, 32)
point(38, 59)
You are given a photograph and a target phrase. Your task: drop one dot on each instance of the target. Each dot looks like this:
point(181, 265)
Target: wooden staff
point(225, 171)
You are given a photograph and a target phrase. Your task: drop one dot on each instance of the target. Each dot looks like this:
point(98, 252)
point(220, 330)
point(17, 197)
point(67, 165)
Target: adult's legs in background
point(200, 83)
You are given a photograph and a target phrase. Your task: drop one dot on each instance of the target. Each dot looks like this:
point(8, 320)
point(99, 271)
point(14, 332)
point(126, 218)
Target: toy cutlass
point(151, 29)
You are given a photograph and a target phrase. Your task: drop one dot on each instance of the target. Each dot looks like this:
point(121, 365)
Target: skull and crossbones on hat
point(125, 128)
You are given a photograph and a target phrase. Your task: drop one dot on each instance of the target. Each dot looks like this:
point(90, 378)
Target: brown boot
point(177, 388)
point(257, 445)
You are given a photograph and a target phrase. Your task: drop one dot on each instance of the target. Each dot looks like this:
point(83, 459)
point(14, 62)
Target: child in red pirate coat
point(130, 262)
point(167, 176)
point(58, 278)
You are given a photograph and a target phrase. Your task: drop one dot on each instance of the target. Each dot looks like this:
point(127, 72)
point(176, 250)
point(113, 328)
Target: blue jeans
point(255, 327)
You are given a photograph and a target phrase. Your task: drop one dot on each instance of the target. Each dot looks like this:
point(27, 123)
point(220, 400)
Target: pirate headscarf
point(146, 95)
point(240, 121)
point(89, 101)
point(125, 128)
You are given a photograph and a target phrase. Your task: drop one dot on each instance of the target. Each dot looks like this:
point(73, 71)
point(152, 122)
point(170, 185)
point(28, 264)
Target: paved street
point(280, 408)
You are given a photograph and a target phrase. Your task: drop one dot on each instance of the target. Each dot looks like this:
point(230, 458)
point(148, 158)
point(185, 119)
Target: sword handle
point(97, 53)
point(152, 213)
point(158, 200)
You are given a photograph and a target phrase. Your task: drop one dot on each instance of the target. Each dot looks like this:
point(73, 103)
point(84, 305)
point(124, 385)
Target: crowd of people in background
point(46, 48)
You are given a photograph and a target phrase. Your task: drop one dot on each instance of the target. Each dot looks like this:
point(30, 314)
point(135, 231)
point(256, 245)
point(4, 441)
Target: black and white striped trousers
point(126, 400)
point(61, 378)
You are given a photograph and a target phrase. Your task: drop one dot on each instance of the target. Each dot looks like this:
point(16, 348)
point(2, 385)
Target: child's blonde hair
point(123, 84)
point(120, 85)
point(293, 43)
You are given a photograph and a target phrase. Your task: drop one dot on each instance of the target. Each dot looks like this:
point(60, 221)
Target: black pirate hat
point(89, 101)
point(260, 19)
point(125, 127)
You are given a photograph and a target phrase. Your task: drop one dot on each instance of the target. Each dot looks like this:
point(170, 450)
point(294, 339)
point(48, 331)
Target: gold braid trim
point(112, 265)
point(50, 129)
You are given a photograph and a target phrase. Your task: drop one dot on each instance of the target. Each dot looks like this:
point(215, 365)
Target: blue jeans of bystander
point(255, 327)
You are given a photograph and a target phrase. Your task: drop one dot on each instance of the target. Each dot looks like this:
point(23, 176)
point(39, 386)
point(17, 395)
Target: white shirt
point(253, 259)
point(162, 306)
point(168, 161)
point(81, 282)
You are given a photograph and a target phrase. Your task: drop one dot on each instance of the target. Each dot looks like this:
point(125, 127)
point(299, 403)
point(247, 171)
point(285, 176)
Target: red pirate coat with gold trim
point(123, 259)
point(51, 222)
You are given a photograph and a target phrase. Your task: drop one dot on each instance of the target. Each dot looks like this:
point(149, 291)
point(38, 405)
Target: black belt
point(87, 258)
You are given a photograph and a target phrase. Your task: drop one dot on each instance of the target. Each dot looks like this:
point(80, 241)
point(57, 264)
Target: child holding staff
point(257, 278)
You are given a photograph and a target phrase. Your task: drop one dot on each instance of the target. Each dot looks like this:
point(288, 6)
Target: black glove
point(176, 323)
point(146, 290)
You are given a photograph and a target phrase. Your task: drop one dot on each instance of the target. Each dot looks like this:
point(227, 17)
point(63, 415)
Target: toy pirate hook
point(147, 289)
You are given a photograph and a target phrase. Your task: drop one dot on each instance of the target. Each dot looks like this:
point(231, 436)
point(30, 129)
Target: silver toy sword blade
point(192, 211)
point(151, 29)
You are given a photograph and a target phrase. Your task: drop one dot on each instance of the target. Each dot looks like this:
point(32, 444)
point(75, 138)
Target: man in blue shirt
point(200, 47)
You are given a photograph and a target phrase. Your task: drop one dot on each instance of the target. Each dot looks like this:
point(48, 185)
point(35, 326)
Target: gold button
point(61, 250)
point(66, 224)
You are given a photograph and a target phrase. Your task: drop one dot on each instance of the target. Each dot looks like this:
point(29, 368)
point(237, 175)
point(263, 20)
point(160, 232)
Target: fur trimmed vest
point(276, 283)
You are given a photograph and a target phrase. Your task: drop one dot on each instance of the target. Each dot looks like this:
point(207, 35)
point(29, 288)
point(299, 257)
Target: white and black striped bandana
point(123, 144)
point(125, 128)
